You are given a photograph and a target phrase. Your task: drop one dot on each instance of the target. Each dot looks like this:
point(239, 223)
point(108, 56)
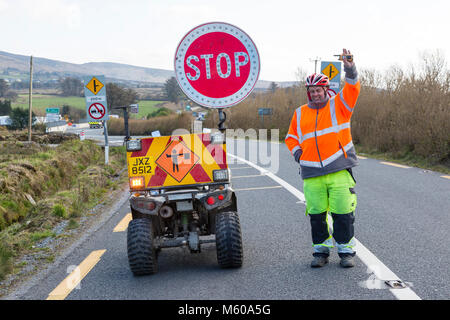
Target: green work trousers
point(331, 195)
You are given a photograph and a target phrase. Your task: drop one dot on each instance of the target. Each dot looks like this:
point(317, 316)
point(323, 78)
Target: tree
point(4, 87)
point(118, 97)
point(273, 87)
point(71, 87)
point(172, 90)
point(19, 118)
point(11, 95)
point(5, 107)
point(73, 113)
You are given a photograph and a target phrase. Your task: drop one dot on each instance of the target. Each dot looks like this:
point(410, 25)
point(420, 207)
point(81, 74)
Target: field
point(145, 107)
point(43, 101)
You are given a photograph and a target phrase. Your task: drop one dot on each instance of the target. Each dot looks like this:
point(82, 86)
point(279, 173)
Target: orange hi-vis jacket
point(323, 134)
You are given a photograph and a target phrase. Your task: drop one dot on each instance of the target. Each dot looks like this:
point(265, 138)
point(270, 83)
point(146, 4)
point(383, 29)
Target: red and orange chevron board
point(177, 160)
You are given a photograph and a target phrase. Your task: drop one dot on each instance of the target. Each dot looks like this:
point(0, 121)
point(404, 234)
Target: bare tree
point(118, 96)
point(71, 87)
point(172, 90)
point(4, 87)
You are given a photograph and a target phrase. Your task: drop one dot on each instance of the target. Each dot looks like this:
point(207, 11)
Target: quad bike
point(181, 195)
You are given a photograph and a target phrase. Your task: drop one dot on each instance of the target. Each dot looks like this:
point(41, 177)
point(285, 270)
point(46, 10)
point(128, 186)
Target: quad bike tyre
point(142, 256)
point(228, 240)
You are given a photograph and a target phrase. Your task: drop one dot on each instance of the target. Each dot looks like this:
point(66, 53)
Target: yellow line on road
point(258, 188)
point(395, 165)
point(75, 277)
point(446, 177)
point(123, 224)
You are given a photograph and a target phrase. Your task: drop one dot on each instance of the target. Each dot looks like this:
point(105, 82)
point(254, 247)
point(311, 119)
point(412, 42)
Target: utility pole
point(316, 59)
point(30, 97)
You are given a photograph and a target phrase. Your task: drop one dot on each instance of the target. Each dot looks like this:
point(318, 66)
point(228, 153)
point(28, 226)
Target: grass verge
point(43, 188)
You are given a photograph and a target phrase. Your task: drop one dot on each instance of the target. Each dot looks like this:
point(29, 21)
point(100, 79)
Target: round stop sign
point(217, 65)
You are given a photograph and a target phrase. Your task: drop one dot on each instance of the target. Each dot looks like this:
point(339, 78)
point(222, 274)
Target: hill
point(16, 66)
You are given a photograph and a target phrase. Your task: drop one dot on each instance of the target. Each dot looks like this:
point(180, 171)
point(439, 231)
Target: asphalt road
point(402, 223)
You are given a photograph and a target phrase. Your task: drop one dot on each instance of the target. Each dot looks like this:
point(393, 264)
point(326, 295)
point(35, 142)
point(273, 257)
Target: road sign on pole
point(52, 110)
point(217, 65)
point(97, 111)
point(96, 105)
point(134, 108)
point(95, 93)
point(332, 69)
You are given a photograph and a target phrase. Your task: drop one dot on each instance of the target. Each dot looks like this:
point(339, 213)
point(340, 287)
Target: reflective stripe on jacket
point(323, 134)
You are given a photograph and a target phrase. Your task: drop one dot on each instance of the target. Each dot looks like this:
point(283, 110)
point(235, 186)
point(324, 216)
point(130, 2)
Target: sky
point(288, 34)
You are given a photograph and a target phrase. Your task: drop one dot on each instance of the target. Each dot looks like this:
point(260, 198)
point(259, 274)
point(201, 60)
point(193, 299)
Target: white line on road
point(249, 176)
point(380, 270)
point(258, 188)
point(280, 181)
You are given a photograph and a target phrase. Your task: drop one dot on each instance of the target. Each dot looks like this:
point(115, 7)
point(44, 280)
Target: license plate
point(141, 165)
point(184, 206)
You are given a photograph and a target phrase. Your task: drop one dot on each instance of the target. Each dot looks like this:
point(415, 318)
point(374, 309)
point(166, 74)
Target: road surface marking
point(280, 181)
point(258, 188)
point(395, 165)
point(368, 258)
point(361, 157)
point(249, 176)
point(446, 177)
point(75, 277)
point(123, 224)
point(382, 272)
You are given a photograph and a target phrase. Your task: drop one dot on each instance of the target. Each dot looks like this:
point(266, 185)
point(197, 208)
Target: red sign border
point(202, 103)
point(89, 111)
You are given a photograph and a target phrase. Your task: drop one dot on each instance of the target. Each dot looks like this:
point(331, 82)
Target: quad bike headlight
point(217, 138)
point(134, 145)
point(137, 183)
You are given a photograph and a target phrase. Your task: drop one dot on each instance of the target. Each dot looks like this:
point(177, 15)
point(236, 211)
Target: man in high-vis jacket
point(320, 140)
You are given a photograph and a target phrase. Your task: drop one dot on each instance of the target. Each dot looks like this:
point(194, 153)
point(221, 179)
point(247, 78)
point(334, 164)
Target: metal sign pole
point(125, 119)
point(30, 100)
point(222, 118)
point(105, 132)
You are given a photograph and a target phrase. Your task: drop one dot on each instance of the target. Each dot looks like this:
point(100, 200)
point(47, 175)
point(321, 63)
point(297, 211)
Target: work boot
point(347, 261)
point(319, 261)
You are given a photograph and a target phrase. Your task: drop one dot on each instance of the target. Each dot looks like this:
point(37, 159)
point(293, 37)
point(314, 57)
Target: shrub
point(59, 211)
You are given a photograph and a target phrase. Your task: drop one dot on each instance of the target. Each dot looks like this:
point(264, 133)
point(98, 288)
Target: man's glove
point(297, 155)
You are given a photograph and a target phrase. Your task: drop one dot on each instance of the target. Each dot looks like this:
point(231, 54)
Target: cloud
point(74, 16)
point(58, 12)
point(3, 5)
